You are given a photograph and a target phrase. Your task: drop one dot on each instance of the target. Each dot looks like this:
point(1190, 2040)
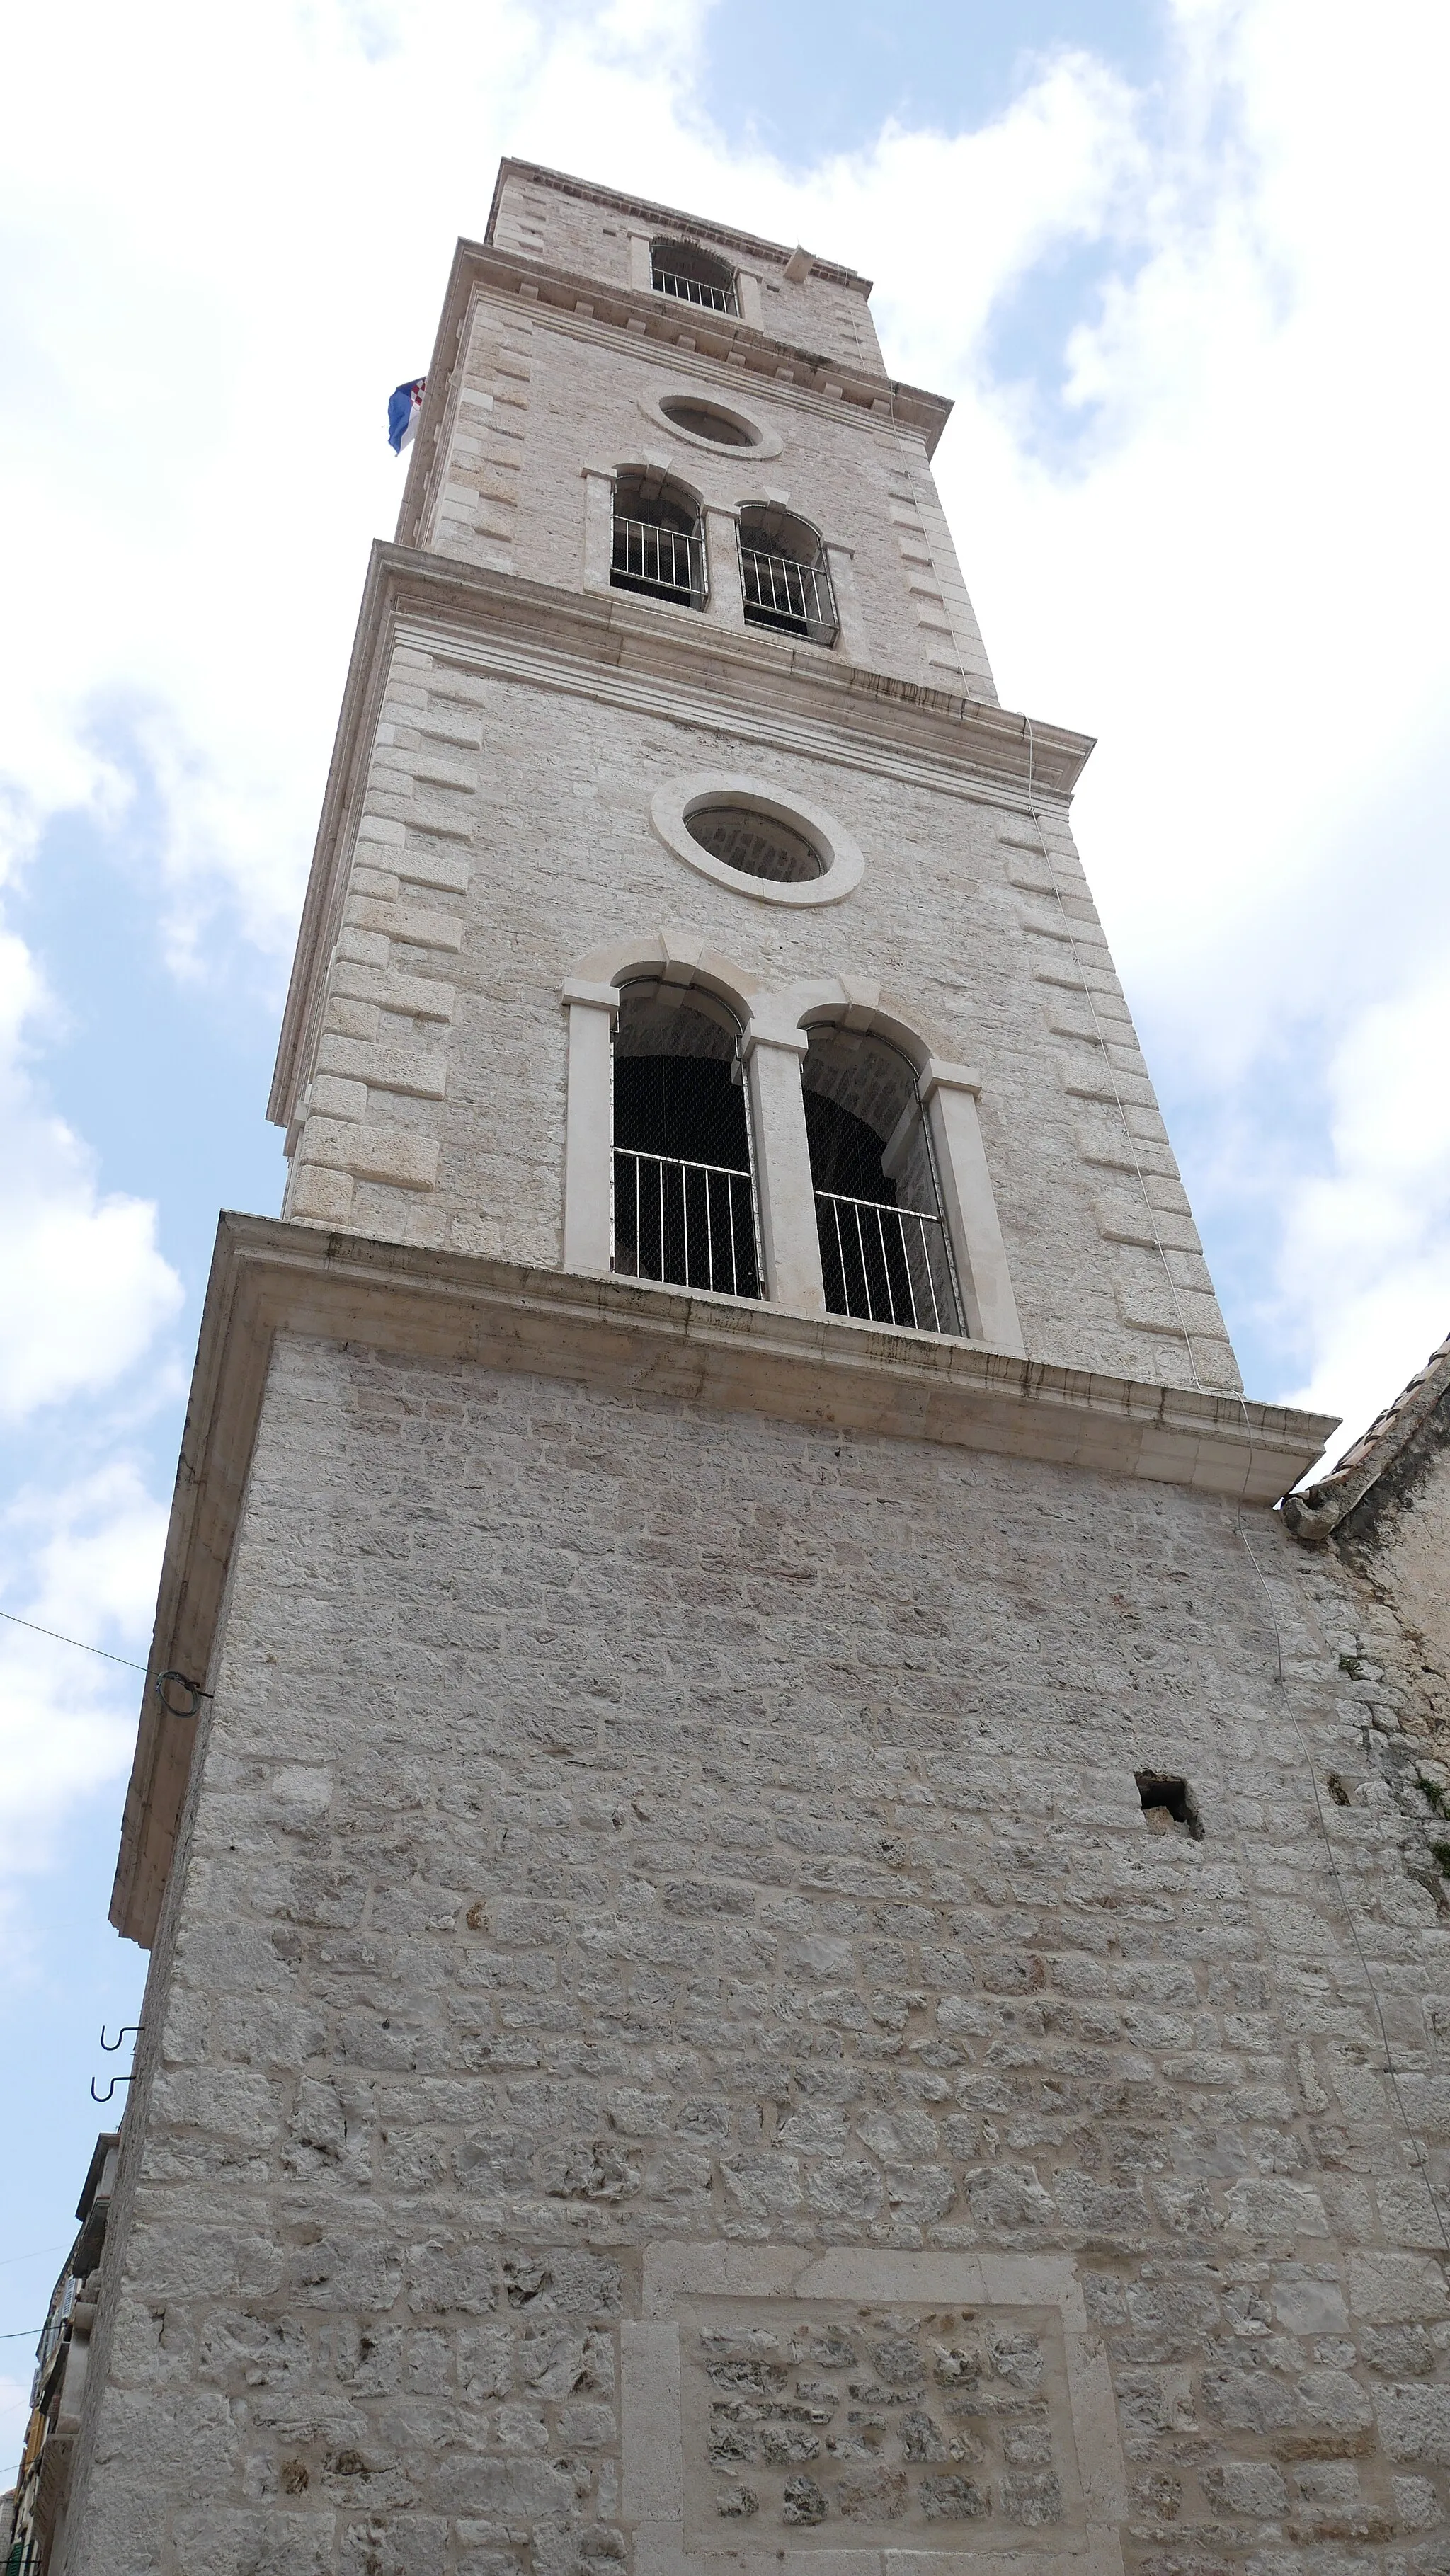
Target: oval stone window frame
point(844, 862)
point(760, 441)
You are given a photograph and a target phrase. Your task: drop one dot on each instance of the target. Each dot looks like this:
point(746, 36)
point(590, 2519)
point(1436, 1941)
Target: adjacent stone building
point(784, 1943)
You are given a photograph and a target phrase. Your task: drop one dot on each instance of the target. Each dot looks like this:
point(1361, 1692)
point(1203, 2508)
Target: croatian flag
point(404, 404)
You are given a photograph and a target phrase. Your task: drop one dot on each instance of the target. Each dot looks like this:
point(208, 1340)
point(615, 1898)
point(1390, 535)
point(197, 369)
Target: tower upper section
point(814, 307)
point(624, 396)
point(686, 909)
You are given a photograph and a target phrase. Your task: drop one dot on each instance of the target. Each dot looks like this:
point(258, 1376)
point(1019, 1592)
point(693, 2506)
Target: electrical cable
point(1417, 2153)
point(161, 1685)
point(103, 1651)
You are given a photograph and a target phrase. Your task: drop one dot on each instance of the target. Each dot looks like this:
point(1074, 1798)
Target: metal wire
point(1416, 2150)
point(1418, 2156)
point(103, 1651)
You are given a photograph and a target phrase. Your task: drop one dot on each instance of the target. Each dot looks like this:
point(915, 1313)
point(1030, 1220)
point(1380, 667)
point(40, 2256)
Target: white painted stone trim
point(598, 525)
point(724, 602)
point(588, 1140)
point(845, 861)
point(784, 1188)
point(855, 643)
point(749, 298)
point(948, 1094)
point(764, 442)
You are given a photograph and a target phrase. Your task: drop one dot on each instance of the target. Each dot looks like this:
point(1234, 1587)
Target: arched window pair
point(685, 1204)
point(659, 548)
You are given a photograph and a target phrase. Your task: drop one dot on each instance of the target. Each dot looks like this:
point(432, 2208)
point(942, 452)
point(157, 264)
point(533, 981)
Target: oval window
point(701, 420)
point(758, 845)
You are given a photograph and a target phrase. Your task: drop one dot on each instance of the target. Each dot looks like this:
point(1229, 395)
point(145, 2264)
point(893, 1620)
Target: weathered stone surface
point(670, 2017)
point(517, 2041)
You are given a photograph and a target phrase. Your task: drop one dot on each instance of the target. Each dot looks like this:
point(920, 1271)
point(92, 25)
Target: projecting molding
point(608, 648)
point(270, 1277)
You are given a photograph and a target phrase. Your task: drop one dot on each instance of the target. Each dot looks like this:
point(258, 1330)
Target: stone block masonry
point(770, 1956)
point(674, 2039)
point(438, 1116)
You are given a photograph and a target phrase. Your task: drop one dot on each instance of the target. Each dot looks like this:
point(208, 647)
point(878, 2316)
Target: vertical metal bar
point(709, 1236)
point(930, 1276)
point(865, 1275)
point(730, 1209)
point(685, 1218)
point(881, 1214)
point(659, 1167)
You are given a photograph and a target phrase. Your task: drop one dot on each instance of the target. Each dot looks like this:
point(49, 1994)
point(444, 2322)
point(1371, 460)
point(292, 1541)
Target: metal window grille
point(886, 1265)
point(691, 1224)
point(795, 597)
point(715, 299)
point(664, 561)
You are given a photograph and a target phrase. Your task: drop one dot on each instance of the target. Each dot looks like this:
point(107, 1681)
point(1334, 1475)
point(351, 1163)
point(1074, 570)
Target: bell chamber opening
point(683, 1182)
point(885, 1254)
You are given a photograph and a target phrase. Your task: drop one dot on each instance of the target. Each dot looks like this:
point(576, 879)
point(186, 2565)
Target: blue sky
point(1171, 262)
point(808, 82)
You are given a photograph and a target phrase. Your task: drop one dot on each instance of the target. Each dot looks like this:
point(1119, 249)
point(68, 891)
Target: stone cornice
point(654, 324)
point(592, 193)
point(609, 647)
point(269, 1277)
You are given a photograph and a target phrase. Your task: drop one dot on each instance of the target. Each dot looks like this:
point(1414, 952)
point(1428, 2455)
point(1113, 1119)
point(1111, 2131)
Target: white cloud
point(83, 1560)
point(83, 1287)
point(1367, 1245)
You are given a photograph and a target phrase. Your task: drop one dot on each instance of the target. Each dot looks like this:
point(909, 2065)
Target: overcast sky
point(1180, 267)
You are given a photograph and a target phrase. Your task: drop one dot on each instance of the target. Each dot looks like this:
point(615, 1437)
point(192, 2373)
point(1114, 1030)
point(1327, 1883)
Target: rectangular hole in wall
point(1168, 1805)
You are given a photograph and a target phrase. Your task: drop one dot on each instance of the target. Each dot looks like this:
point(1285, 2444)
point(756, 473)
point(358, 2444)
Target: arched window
point(885, 1252)
point(785, 580)
point(659, 541)
point(695, 275)
point(684, 1192)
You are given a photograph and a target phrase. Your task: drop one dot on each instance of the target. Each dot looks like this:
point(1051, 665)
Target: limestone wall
point(507, 835)
point(595, 237)
point(544, 393)
point(676, 2045)
point(1399, 1544)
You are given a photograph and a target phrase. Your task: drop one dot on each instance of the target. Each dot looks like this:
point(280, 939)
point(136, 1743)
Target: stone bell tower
point(754, 1972)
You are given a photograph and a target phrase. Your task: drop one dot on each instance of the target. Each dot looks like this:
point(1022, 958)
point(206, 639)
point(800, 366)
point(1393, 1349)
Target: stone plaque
point(831, 2424)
